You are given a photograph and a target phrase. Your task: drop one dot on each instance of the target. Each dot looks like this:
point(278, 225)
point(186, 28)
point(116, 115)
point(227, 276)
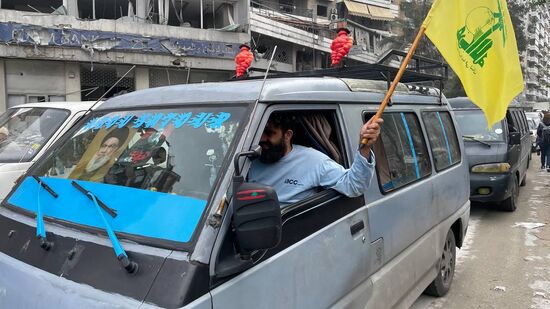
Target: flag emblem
point(474, 38)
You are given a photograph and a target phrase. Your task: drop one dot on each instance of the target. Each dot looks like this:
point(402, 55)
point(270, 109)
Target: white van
point(26, 131)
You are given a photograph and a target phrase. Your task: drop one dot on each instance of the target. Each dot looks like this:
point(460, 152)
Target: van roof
point(466, 103)
point(462, 103)
point(304, 89)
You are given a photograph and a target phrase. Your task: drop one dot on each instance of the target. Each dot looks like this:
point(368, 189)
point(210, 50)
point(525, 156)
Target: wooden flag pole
point(398, 77)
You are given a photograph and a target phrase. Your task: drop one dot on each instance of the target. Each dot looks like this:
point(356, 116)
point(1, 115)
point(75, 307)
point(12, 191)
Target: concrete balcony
point(282, 31)
point(533, 47)
point(533, 59)
point(532, 81)
point(533, 71)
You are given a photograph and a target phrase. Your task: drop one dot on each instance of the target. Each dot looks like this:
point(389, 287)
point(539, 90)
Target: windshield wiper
point(129, 265)
point(475, 139)
point(110, 211)
point(40, 228)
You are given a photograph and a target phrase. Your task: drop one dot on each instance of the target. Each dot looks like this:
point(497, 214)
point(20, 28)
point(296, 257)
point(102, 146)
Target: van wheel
point(524, 180)
point(510, 204)
point(442, 283)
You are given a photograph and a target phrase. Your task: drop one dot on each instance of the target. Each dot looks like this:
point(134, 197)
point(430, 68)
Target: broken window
point(106, 9)
point(97, 79)
point(217, 14)
point(322, 10)
point(40, 6)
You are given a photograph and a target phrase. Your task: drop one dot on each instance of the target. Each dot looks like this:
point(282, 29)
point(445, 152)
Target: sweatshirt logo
point(292, 182)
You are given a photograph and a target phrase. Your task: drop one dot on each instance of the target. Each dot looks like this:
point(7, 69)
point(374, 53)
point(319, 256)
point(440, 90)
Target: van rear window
point(401, 153)
point(442, 137)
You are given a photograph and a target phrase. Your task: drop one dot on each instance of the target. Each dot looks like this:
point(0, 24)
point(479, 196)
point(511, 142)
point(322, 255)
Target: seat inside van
point(317, 130)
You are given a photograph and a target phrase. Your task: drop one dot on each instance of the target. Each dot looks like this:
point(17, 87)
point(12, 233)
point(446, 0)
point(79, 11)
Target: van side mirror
point(256, 211)
point(256, 218)
point(515, 138)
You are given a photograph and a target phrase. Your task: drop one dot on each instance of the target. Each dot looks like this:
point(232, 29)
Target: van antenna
point(108, 90)
point(261, 88)
point(265, 76)
point(247, 128)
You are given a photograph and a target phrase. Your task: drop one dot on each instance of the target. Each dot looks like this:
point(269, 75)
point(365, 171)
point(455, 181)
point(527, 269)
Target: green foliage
point(414, 12)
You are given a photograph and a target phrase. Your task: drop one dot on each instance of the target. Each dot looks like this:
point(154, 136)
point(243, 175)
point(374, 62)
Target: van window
point(442, 137)
point(156, 168)
point(26, 130)
point(518, 122)
point(402, 156)
point(512, 122)
point(321, 130)
point(524, 121)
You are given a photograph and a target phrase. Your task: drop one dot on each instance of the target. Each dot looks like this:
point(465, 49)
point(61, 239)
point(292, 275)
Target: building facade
point(303, 30)
point(56, 50)
point(535, 61)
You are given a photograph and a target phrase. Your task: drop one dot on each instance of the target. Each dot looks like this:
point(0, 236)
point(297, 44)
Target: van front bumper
point(497, 185)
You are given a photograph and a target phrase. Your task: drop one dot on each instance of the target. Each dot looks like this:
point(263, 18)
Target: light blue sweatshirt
point(297, 175)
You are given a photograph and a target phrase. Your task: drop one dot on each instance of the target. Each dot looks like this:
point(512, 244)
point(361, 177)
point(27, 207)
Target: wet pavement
point(505, 260)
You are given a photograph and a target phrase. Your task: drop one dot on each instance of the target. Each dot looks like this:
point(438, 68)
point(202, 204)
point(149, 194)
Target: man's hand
point(370, 131)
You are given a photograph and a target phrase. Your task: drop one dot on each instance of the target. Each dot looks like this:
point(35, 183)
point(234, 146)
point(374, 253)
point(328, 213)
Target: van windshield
point(23, 131)
point(473, 124)
point(155, 168)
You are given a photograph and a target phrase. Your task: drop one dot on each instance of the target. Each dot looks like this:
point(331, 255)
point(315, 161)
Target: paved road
point(505, 261)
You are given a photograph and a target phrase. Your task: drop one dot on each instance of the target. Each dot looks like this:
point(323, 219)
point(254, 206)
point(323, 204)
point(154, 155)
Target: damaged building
point(303, 30)
point(55, 50)
point(75, 50)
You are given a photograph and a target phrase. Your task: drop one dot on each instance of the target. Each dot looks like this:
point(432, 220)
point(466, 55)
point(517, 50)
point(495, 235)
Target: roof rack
point(417, 71)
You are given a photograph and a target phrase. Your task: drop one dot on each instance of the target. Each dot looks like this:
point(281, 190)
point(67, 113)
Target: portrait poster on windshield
point(101, 154)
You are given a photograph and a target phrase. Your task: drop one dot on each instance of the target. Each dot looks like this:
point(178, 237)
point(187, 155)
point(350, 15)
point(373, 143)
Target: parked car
point(498, 157)
point(30, 129)
point(188, 230)
point(537, 116)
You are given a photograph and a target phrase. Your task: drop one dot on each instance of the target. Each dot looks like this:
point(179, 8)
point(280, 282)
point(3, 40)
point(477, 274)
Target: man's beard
point(273, 154)
point(96, 162)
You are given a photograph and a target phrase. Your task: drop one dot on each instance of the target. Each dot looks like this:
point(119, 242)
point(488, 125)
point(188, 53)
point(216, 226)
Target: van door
point(322, 258)
point(407, 209)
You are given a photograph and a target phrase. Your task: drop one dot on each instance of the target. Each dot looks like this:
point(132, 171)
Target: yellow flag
point(477, 39)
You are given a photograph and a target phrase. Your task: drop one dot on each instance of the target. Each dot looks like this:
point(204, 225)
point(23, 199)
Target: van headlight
point(491, 168)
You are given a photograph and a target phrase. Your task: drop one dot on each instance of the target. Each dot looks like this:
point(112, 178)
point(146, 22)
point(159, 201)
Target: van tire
point(446, 268)
point(524, 180)
point(510, 204)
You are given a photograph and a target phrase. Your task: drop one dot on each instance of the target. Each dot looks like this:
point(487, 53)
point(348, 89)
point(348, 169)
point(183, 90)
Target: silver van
point(186, 228)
